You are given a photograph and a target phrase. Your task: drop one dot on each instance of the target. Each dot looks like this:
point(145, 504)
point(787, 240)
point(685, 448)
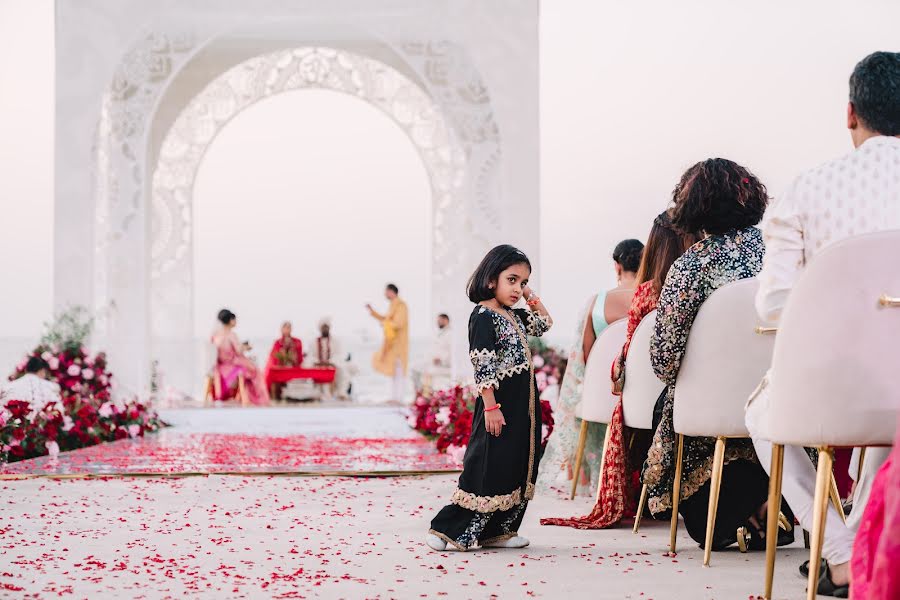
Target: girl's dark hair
point(664, 245)
point(226, 316)
point(718, 195)
point(495, 262)
point(628, 254)
point(393, 288)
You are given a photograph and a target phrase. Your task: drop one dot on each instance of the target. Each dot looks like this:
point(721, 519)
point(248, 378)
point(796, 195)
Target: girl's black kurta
point(498, 472)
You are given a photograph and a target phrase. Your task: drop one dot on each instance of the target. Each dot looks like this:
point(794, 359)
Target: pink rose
point(456, 453)
point(105, 410)
point(54, 363)
point(134, 430)
point(87, 374)
point(68, 423)
point(73, 371)
point(538, 361)
point(52, 449)
point(46, 355)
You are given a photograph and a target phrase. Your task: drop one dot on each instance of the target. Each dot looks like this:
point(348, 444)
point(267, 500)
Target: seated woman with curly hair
point(724, 202)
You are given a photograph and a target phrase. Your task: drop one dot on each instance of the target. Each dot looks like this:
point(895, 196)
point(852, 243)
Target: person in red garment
point(287, 351)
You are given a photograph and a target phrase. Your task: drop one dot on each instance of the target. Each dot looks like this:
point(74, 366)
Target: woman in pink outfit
point(875, 565)
point(231, 362)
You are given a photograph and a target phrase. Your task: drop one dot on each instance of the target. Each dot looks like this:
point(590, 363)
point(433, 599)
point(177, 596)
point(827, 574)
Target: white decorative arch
point(254, 80)
point(459, 77)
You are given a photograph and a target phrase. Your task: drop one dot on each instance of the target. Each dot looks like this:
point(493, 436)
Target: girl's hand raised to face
point(494, 422)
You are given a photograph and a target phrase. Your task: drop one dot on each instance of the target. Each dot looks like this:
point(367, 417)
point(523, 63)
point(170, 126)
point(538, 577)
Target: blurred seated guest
point(612, 305)
point(602, 309)
point(724, 201)
point(231, 362)
point(287, 351)
point(330, 354)
point(33, 387)
point(854, 194)
point(436, 369)
point(618, 495)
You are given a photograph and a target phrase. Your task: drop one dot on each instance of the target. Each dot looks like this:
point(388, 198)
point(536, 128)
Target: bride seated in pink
point(231, 363)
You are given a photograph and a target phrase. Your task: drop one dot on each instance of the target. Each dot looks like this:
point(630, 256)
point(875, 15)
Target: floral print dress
point(498, 472)
point(558, 462)
point(706, 266)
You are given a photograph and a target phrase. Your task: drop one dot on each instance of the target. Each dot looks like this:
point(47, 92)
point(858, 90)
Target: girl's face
point(511, 284)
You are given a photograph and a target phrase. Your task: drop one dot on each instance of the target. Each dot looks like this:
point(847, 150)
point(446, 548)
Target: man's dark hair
point(392, 287)
point(875, 92)
point(444, 316)
point(717, 195)
point(35, 364)
point(628, 254)
point(495, 262)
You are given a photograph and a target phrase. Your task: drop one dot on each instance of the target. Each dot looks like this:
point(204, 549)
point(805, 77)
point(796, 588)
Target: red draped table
point(317, 374)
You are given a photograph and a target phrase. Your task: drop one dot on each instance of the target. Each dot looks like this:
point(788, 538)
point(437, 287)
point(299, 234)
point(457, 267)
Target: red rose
point(18, 408)
point(18, 433)
point(17, 451)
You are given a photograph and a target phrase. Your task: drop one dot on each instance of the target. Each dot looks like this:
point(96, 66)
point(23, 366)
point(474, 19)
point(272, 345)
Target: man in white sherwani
point(33, 386)
point(854, 194)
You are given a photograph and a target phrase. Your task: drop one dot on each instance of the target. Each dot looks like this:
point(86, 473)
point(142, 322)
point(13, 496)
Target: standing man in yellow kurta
point(392, 359)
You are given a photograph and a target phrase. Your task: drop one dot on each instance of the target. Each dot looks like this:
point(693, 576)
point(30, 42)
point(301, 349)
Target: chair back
point(724, 362)
point(597, 399)
point(642, 386)
point(835, 376)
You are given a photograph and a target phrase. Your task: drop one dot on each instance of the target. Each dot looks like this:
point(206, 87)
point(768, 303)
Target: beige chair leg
point(820, 513)
point(242, 391)
point(773, 508)
point(676, 494)
point(835, 496)
point(606, 437)
point(859, 467)
point(640, 509)
point(714, 485)
point(579, 455)
point(207, 390)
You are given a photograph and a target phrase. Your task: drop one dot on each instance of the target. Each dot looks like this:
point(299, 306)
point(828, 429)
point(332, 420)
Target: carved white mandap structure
point(143, 89)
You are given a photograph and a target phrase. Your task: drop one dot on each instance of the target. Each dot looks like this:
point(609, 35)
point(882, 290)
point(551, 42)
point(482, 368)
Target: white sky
point(631, 94)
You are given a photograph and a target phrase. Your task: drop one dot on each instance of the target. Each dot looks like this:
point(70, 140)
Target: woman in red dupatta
point(620, 480)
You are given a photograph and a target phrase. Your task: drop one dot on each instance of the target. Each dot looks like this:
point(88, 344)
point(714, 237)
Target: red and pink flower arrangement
point(446, 415)
point(86, 413)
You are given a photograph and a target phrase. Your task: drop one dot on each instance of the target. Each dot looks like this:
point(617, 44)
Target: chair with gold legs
point(597, 401)
point(723, 363)
point(834, 360)
point(212, 389)
point(642, 388)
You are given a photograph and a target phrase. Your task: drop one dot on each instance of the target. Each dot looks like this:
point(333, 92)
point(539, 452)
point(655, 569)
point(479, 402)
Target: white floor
point(283, 537)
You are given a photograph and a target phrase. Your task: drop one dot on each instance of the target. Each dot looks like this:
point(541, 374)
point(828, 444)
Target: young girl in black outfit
point(500, 464)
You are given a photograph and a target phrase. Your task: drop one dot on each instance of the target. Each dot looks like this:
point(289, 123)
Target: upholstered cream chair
point(723, 363)
point(597, 401)
point(834, 380)
point(642, 388)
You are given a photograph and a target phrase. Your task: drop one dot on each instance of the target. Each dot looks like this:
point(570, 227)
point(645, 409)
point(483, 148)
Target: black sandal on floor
point(826, 587)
